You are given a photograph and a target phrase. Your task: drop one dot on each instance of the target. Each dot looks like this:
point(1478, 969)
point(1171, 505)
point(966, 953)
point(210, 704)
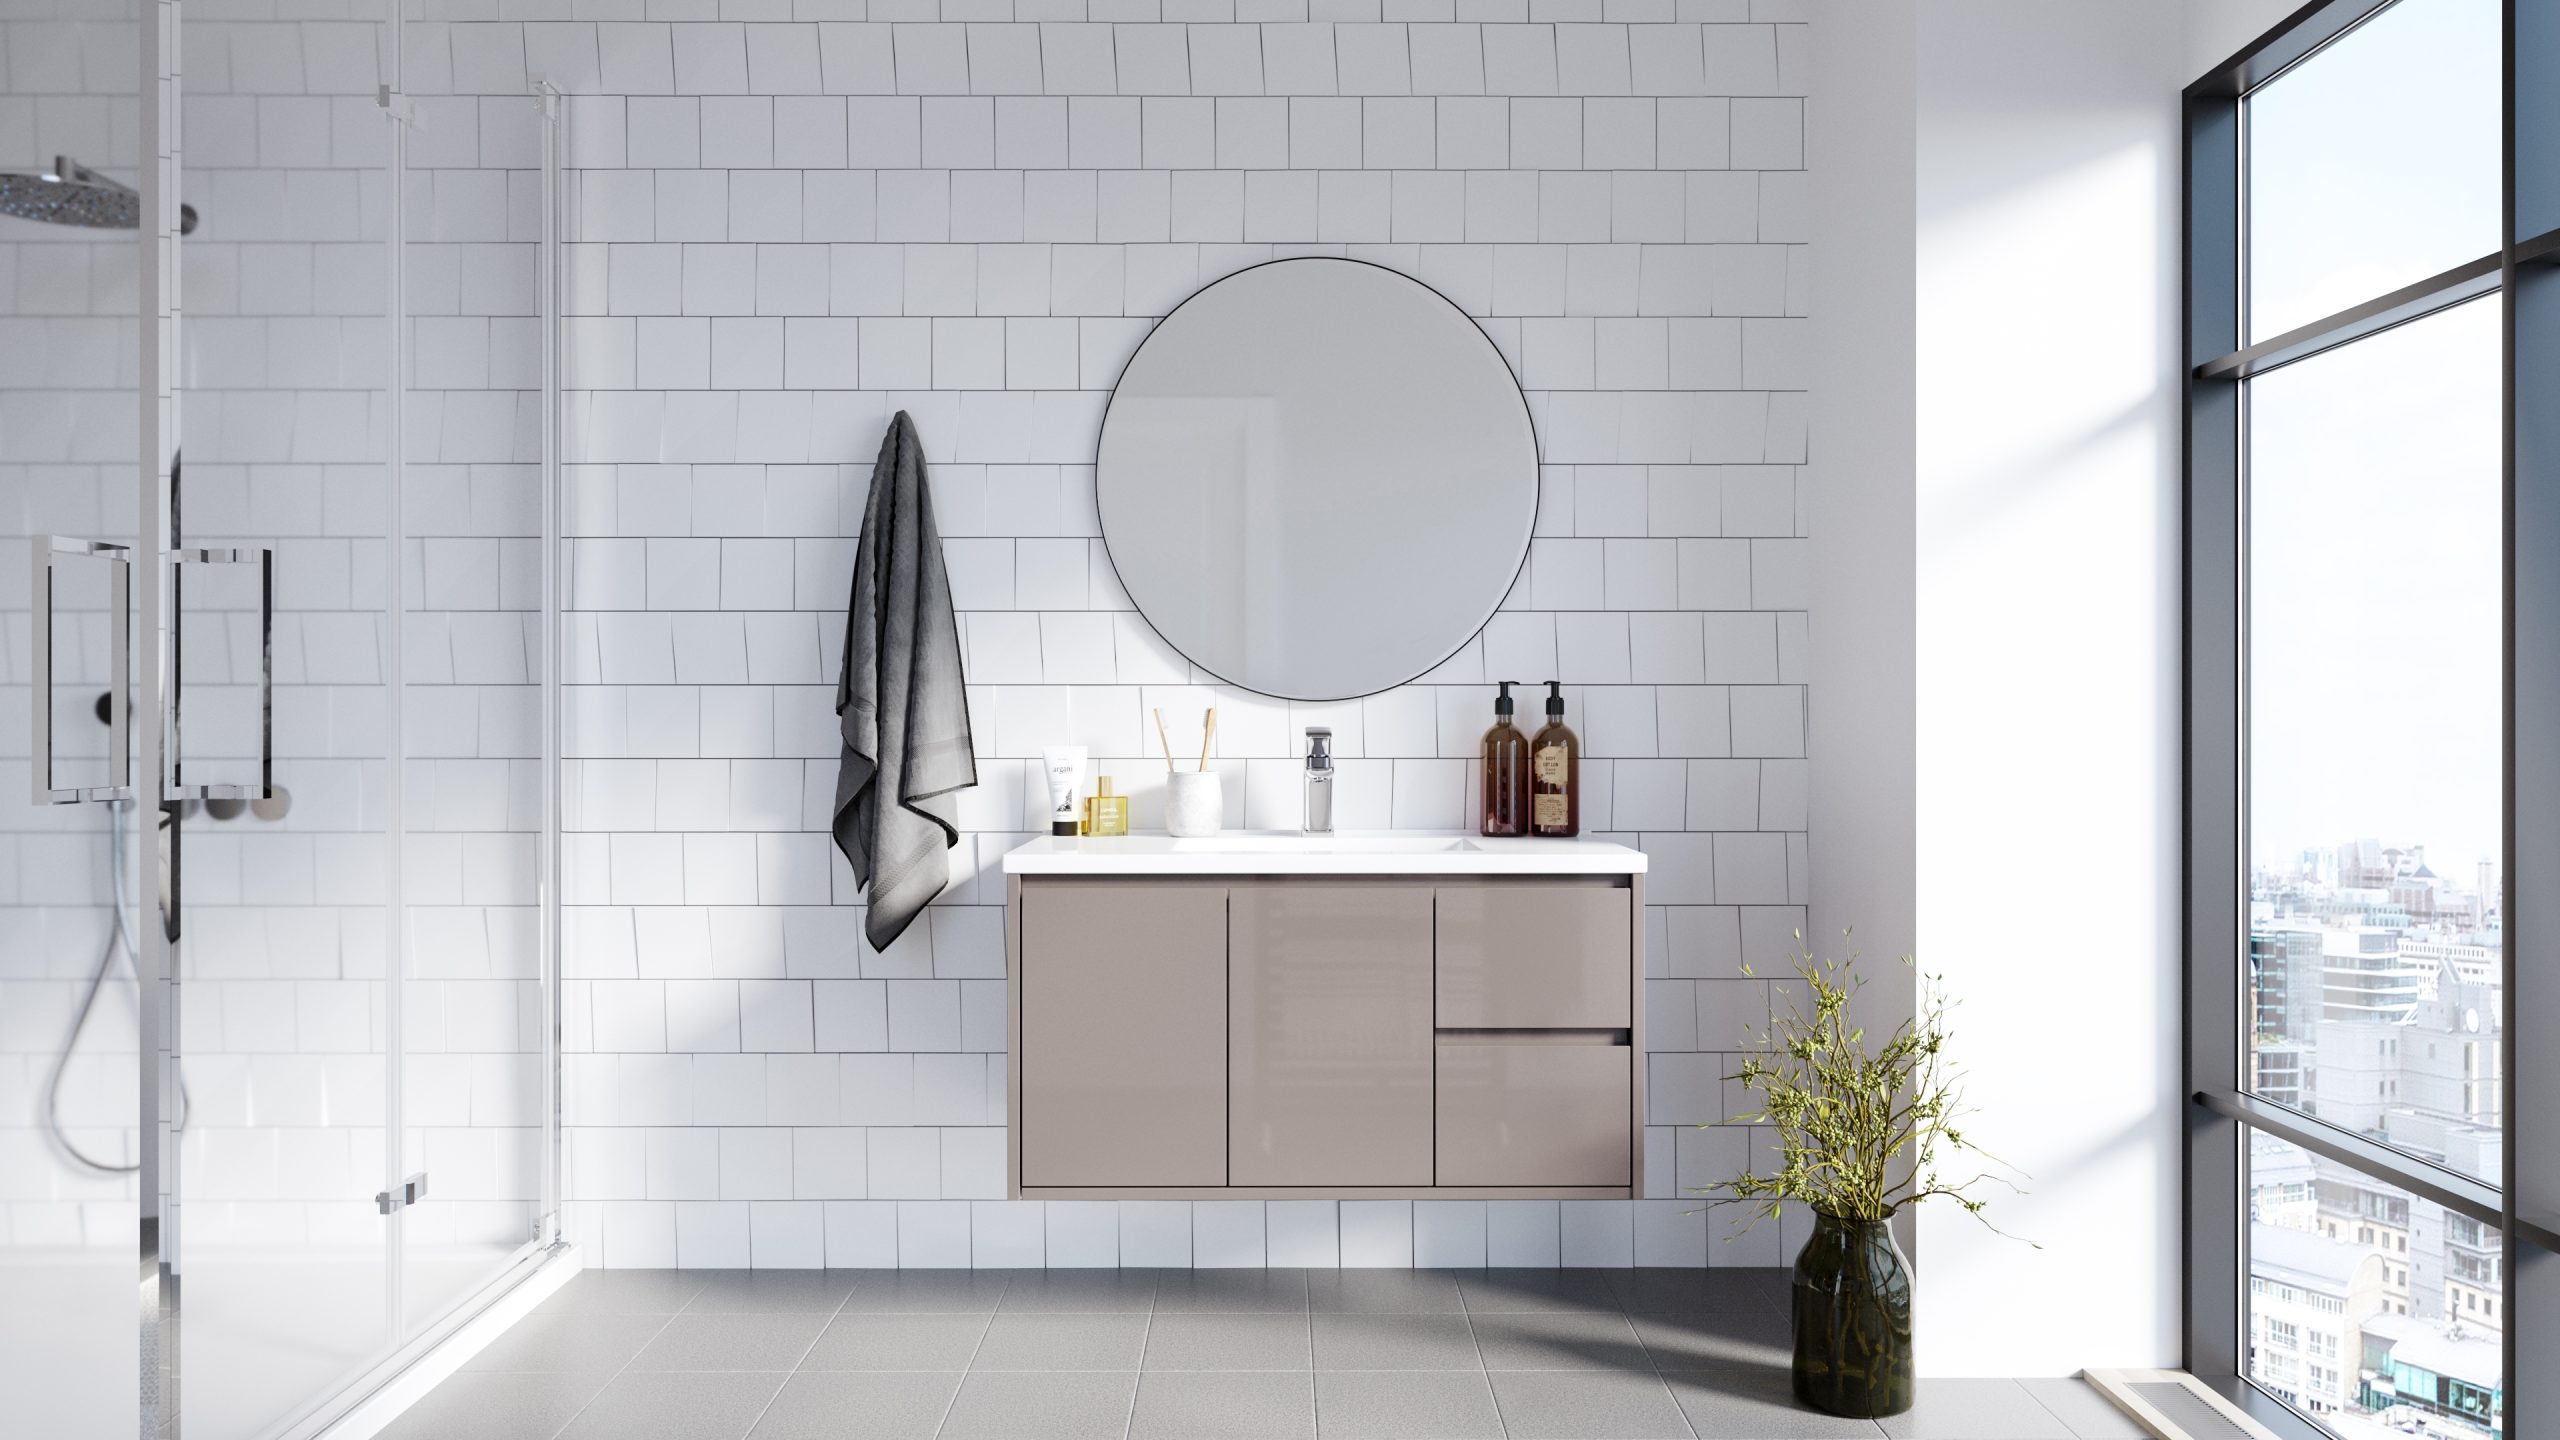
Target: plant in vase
point(1860, 1132)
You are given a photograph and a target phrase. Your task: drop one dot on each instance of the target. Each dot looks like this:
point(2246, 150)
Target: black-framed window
point(2372, 352)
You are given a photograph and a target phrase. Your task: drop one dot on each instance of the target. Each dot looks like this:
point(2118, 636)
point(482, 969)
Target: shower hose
point(119, 942)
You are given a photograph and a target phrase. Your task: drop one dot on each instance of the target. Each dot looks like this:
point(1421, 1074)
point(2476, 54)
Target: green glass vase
point(1853, 1319)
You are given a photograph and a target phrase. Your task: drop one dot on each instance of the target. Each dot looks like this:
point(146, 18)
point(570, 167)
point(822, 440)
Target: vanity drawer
point(1526, 957)
point(1555, 1112)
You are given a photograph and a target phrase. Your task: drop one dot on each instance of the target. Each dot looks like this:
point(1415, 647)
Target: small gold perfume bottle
point(1104, 812)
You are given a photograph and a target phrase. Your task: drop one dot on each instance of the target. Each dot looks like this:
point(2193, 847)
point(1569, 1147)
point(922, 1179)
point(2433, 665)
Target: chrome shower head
point(73, 194)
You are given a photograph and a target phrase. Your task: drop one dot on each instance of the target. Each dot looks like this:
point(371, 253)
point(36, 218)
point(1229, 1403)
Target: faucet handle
point(1320, 746)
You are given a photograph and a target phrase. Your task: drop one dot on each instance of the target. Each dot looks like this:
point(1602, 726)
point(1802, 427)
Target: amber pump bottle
point(1506, 771)
point(1555, 773)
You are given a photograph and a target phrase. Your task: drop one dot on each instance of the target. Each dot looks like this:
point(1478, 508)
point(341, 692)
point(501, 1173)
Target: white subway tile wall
point(69, 359)
point(789, 219)
point(1613, 188)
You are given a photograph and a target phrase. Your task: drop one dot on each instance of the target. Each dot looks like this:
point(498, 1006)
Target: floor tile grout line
point(1676, 1407)
point(969, 1366)
point(2058, 1417)
point(805, 1352)
point(621, 1370)
point(1146, 1332)
point(1315, 1400)
point(1490, 1393)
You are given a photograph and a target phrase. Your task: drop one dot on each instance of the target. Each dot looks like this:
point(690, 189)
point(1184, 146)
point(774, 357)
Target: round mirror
point(1317, 479)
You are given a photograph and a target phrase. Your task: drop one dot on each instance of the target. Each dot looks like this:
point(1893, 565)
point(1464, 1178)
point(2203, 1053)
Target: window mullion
point(2215, 1242)
point(2467, 281)
point(2477, 1199)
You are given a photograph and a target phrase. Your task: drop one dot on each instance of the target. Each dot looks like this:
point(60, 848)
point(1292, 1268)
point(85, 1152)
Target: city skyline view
point(2374, 986)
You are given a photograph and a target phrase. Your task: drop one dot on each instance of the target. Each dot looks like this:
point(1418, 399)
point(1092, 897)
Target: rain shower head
point(73, 194)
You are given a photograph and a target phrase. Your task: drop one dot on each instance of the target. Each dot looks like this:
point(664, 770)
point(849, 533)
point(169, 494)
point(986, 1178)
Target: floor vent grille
point(2174, 1405)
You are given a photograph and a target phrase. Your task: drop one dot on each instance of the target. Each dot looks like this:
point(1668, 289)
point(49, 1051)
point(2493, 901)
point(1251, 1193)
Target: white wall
point(2022, 544)
point(2217, 29)
point(2047, 608)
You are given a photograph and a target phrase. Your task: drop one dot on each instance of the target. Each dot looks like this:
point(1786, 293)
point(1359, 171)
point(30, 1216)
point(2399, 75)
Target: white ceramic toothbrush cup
point(1193, 803)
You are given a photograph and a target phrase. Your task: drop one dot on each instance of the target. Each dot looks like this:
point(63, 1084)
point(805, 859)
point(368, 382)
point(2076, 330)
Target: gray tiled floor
point(1184, 1355)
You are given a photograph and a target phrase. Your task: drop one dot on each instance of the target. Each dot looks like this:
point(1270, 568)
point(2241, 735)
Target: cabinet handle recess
point(1559, 1036)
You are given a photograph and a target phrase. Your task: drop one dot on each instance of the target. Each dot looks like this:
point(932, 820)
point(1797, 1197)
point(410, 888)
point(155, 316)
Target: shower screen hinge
point(411, 1191)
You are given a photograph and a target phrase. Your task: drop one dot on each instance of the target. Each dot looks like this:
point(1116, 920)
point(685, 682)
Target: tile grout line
point(1467, 1313)
point(2058, 1417)
point(969, 1367)
point(1315, 1402)
point(1665, 1386)
point(623, 1369)
point(805, 1352)
point(1138, 1381)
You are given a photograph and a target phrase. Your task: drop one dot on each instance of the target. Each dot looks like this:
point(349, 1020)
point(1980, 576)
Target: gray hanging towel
point(901, 701)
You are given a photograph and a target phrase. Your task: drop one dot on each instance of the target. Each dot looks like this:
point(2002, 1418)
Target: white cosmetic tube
point(1065, 764)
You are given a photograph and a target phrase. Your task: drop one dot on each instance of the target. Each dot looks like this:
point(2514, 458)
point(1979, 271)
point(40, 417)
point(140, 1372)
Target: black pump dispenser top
point(1502, 701)
point(1555, 699)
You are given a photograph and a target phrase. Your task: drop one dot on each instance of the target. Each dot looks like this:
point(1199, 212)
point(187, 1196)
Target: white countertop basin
point(1286, 852)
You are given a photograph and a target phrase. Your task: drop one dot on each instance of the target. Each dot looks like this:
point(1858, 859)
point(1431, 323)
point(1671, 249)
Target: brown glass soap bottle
point(1555, 774)
point(1506, 771)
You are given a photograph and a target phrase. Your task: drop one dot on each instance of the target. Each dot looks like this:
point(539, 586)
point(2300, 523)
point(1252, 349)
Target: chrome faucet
point(1319, 812)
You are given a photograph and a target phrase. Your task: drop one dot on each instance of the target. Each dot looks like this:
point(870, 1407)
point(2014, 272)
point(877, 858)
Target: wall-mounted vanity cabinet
point(1264, 1016)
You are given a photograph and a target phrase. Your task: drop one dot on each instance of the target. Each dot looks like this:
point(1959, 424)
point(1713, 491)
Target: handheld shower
point(119, 942)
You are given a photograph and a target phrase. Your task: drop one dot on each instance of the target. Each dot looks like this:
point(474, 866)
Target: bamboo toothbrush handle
point(1165, 740)
point(1208, 732)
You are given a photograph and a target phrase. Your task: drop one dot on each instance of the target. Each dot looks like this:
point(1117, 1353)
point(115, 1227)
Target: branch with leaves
point(1860, 1133)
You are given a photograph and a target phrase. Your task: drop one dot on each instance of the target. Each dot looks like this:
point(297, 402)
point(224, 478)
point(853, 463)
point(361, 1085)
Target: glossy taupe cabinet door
point(1544, 1112)
point(1124, 1013)
point(1535, 956)
point(1329, 1034)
